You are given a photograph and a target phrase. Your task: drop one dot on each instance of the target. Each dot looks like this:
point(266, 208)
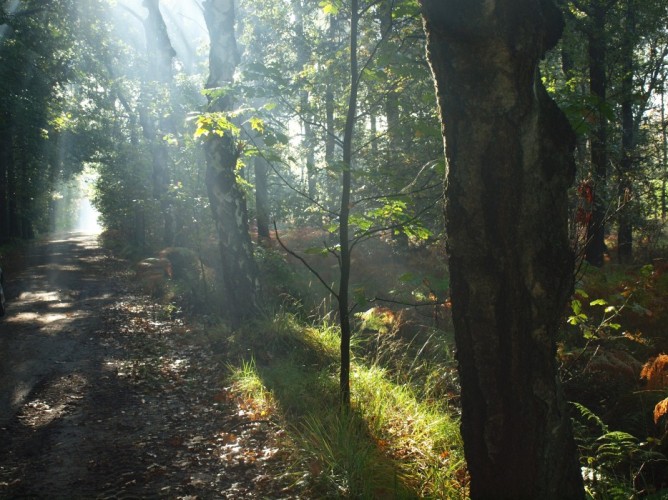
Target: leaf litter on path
point(146, 419)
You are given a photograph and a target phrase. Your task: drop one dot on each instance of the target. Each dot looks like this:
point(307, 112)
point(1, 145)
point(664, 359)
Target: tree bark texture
point(240, 274)
point(509, 153)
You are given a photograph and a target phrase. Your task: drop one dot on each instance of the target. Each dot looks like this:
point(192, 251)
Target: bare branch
point(306, 264)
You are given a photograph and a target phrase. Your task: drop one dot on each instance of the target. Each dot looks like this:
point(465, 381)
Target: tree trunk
point(595, 245)
point(6, 158)
point(392, 97)
point(308, 141)
point(344, 213)
point(160, 54)
point(240, 274)
point(509, 151)
point(262, 198)
point(158, 46)
point(392, 115)
point(664, 156)
point(625, 186)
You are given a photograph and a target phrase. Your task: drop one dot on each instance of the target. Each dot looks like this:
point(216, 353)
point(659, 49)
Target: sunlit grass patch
point(253, 396)
point(394, 443)
point(421, 436)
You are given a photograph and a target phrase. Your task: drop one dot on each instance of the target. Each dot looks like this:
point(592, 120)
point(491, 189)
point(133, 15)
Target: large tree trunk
point(240, 274)
point(509, 152)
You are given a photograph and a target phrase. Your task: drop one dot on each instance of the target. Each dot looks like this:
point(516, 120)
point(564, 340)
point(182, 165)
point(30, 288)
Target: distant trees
point(156, 121)
point(610, 79)
point(509, 167)
point(48, 127)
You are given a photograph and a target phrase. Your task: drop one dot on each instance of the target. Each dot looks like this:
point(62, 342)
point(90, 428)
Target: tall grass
point(393, 443)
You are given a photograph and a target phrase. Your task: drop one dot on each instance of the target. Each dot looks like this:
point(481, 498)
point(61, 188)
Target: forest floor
point(103, 394)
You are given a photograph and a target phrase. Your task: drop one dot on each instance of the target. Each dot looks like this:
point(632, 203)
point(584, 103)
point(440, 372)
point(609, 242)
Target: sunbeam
point(88, 218)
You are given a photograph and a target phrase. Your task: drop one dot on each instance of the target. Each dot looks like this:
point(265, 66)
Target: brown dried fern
point(655, 372)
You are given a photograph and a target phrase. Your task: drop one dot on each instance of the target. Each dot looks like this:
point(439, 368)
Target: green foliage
point(611, 460)
point(590, 327)
point(216, 123)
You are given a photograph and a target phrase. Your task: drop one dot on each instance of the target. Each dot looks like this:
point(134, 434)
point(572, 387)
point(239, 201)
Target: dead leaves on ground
point(219, 443)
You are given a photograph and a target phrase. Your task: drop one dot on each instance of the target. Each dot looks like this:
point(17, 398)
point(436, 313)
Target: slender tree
point(509, 152)
point(625, 185)
point(598, 85)
point(344, 212)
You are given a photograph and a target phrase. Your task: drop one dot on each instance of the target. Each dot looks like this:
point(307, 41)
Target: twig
point(306, 264)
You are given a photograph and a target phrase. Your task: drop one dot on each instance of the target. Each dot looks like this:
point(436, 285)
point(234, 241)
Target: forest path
point(104, 395)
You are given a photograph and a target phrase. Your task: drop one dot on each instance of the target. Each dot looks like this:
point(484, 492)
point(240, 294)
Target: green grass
point(421, 434)
point(393, 443)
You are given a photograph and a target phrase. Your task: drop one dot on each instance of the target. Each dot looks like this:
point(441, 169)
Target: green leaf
point(598, 302)
point(257, 124)
point(330, 7)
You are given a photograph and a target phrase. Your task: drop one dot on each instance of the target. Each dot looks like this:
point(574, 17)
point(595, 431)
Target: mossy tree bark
point(509, 152)
point(228, 204)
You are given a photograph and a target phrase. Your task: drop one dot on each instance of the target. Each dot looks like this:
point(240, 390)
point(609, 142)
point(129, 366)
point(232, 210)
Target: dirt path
point(104, 396)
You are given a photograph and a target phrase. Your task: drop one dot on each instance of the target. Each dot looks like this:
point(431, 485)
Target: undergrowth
point(613, 372)
point(397, 440)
